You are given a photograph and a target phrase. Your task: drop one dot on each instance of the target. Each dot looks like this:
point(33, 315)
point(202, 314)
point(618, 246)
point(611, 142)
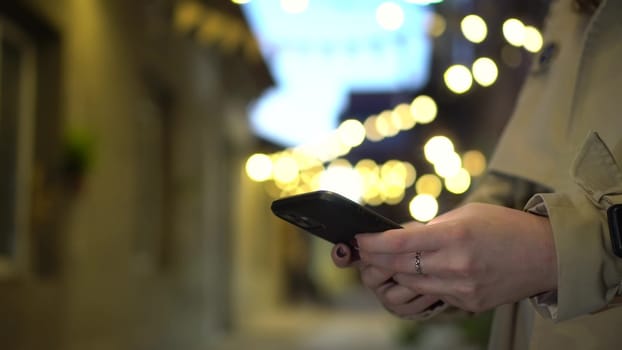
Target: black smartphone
point(330, 216)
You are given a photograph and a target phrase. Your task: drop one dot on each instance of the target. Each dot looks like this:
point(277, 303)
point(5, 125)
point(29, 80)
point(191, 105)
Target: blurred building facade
point(118, 139)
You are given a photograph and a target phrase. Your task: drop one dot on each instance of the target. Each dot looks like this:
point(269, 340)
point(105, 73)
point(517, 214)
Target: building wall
point(143, 238)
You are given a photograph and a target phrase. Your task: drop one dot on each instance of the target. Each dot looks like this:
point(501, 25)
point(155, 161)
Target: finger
point(415, 238)
point(342, 256)
point(425, 284)
point(396, 295)
point(412, 224)
point(413, 308)
point(372, 276)
point(429, 262)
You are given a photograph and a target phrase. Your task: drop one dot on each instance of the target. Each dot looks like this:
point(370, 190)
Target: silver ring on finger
point(418, 267)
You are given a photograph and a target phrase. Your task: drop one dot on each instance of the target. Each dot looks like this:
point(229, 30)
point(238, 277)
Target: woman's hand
point(396, 298)
point(475, 257)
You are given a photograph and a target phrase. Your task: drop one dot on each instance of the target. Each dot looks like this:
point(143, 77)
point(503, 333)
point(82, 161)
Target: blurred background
point(142, 142)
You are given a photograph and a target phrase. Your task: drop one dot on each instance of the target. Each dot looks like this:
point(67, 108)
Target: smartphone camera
point(303, 222)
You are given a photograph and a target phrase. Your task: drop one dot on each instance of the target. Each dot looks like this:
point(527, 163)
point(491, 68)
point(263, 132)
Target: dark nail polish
point(341, 252)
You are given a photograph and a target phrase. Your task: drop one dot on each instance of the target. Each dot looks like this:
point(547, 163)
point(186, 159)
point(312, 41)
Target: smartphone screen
point(330, 216)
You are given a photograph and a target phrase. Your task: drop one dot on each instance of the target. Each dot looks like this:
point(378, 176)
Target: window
point(16, 116)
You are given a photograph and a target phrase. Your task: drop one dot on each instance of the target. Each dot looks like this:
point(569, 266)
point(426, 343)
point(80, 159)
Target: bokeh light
point(437, 147)
point(448, 165)
point(423, 207)
point(458, 79)
point(411, 174)
point(341, 178)
point(401, 115)
point(474, 28)
point(436, 25)
point(533, 39)
point(458, 183)
point(485, 71)
point(429, 184)
point(424, 109)
point(351, 132)
point(385, 125)
point(285, 169)
point(259, 167)
point(474, 162)
point(371, 130)
point(514, 32)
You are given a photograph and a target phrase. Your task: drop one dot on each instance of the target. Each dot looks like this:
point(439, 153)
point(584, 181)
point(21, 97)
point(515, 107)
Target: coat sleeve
point(589, 274)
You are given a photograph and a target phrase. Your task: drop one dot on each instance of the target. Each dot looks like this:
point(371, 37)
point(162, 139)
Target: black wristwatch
point(614, 216)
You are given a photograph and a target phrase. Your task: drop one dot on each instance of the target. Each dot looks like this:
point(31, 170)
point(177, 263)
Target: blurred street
point(355, 325)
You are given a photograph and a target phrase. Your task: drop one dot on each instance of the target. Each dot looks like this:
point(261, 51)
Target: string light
point(533, 39)
point(514, 32)
point(259, 167)
point(423, 109)
point(295, 171)
point(474, 28)
point(423, 207)
point(485, 71)
point(458, 79)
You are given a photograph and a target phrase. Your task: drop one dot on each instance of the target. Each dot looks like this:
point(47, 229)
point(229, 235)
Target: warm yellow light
point(385, 125)
point(366, 165)
point(429, 184)
point(371, 131)
point(402, 116)
point(259, 167)
point(514, 32)
point(448, 165)
point(240, 2)
point(331, 147)
point(458, 79)
point(390, 16)
point(374, 200)
point(533, 39)
point(288, 187)
point(294, 6)
point(458, 183)
point(437, 147)
point(340, 177)
point(474, 28)
point(485, 71)
point(474, 162)
point(395, 196)
point(393, 173)
point(351, 132)
point(411, 174)
point(371, 183)
point(424, 109)
point(423, 207)
point(285, 169)
point(436, 25)
point(311, 177)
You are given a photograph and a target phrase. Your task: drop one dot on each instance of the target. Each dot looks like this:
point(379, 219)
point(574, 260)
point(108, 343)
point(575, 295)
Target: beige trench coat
point(565, 136)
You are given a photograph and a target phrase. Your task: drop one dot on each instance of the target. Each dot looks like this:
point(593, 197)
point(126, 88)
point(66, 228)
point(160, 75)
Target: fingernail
point(341, 252)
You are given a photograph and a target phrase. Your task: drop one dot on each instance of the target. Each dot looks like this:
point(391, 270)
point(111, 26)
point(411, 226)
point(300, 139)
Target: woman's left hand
point(475, 257)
